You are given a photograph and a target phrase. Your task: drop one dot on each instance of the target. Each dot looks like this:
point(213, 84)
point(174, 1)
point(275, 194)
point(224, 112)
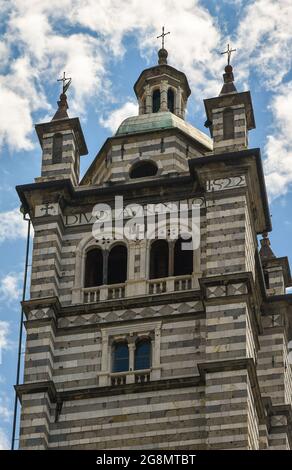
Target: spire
point(61, 112)
point(162, 53)
point(162, 56)
point(228, 78)
point(266, 250)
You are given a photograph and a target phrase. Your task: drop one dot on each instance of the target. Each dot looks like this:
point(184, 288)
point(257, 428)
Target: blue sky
point(104, 45)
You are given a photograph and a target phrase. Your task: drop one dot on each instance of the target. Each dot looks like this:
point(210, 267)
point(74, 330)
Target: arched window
point(228, 124)
point(57, 148)
point(93, 268)
point(159, 255)
point(143, 354)
point(120, 357)
point(117, 265)
point(183, 258)
point(143, 169)
point(170, 100)
point(156, 101)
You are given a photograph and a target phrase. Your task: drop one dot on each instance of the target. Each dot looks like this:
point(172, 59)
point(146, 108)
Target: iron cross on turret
point(66, 82)
point(162, 36)
point(228, 52)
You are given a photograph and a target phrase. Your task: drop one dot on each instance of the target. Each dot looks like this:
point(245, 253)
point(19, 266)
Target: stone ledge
point(125, 303)
point(48, 308)
point(225, 282)
point(37, 387)
point(84, 393)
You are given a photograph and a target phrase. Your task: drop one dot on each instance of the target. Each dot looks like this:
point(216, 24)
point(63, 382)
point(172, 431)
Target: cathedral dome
point(158, 121)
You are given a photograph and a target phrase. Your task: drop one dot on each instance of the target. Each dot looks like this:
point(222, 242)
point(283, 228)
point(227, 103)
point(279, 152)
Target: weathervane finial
point(162, 36)
point(66, 82)
point(228, 52)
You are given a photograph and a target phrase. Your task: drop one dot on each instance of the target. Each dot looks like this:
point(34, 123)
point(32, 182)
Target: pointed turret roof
point(229, 96)
point(61, 121)
point(266, 252)
point(61, 112)
point(228, 77)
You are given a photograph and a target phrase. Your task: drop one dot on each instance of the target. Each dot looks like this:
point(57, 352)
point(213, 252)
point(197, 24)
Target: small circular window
point(143, 169)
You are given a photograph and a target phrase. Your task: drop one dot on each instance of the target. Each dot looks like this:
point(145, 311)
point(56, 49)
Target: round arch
point(143, 169)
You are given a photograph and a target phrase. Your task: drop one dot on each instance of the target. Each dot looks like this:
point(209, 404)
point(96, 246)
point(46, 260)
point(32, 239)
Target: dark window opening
point(143, 354)
point(120, 357)
point(159, 256)
point(267, 279)
point(57, 148)
point(117, 265)
point(156, 101)
point(183, 258)
point(170, 100)
point(228, 124)
point(93, 268)
point(143, 169)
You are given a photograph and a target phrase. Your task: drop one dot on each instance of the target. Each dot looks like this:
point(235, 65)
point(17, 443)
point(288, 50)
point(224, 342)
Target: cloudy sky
point(103, 45)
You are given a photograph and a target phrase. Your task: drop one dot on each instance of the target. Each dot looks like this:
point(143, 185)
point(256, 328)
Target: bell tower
point(62, 143)
point(230, 115)
point(162, 88)
point(154, 321)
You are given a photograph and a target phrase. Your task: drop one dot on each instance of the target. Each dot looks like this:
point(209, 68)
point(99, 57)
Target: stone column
point(105, 266)
point(178, 109)
point(132, 348)
point(140, 102)
point(163, 95)
point(148, 99)
point(171, 245)
point(156, 343)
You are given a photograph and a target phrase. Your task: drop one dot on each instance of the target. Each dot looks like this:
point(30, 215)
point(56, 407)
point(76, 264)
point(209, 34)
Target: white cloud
point(44, 44)
point(264, 40)
point(4, 331)
point(43, 32)
point(278, 149)
point(5, 405)
point(17, 119)
point(5, 411)
point(191, 44)
point(12, 225)
point(50, 36)
point(4, 443)
point(10, 286)
point(117, 116)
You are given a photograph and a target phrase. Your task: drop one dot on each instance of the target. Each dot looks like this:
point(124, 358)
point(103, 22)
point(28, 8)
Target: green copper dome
point(162, 120)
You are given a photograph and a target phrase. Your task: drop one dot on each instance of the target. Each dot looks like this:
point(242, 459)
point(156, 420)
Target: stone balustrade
point(151, 286)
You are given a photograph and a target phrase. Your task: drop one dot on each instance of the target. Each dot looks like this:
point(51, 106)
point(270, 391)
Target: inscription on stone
point(226, 183)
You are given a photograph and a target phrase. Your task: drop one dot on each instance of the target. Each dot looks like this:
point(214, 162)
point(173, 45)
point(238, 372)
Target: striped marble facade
point(220, 374)
point(217, 369)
